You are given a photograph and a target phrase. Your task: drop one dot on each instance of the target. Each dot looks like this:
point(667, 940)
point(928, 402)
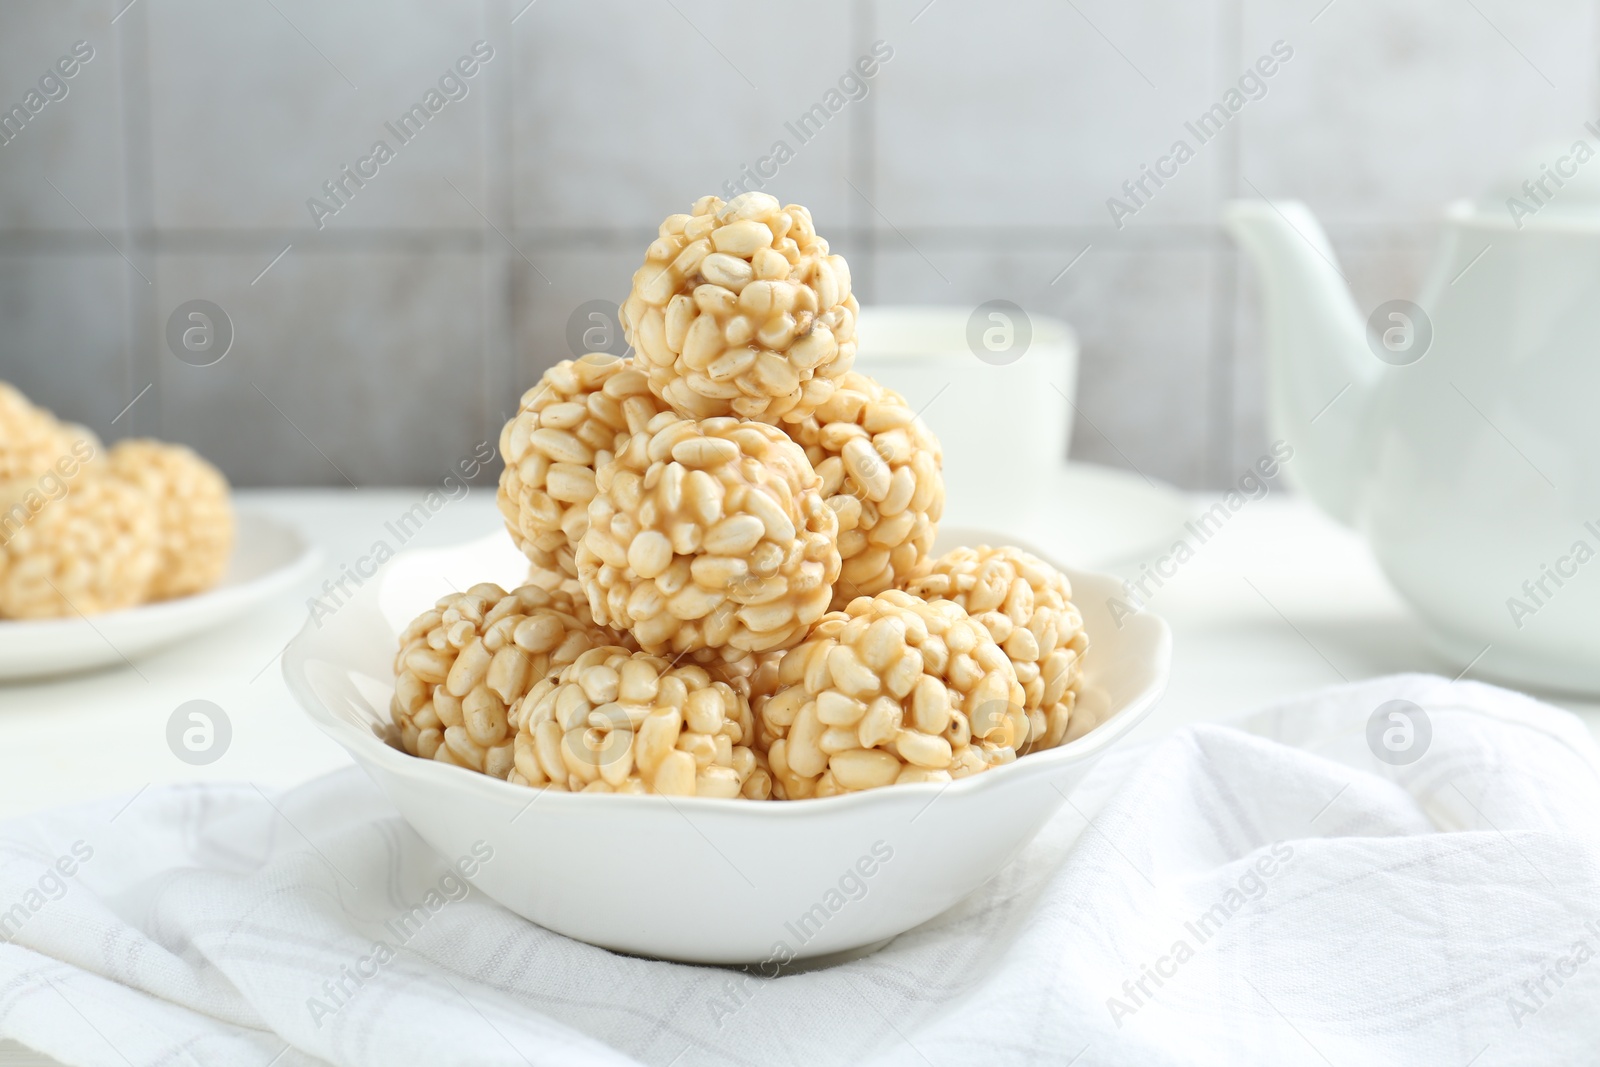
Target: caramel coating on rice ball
point(194, 509)
point(709, 535)
point(465, 662)
point(93, 550)
point(892, 689)
point(740, 309)
point(566, 427)
point(559, 582)
point(752, 674)
point(617, 721)
point(1026, 605)
point(879, 465)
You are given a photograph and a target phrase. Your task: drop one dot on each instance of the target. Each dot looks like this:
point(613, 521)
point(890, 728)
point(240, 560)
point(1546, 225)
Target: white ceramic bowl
point(268, 557)
point(697, 879)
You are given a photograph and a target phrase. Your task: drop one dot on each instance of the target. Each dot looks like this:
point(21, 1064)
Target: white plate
point(268, 557)
point(699, 879)
point(1100, 516)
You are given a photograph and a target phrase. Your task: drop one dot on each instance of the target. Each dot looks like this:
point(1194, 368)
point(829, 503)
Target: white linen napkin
point(1268, 892)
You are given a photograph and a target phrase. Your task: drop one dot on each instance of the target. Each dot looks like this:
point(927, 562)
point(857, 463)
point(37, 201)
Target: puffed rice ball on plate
point(92, 550)
point(194, 511)
point(740, 309)
point(709, 534)
point(1026, 605)
point(879, 465)
point(892, 689)
point(567, 426)
point(32, 442)
point(617, 721)
point(465, 662)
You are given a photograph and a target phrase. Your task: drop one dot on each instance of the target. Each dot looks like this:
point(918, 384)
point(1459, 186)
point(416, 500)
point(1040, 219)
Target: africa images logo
point(1206, 127)
point(454, 85)
point(1250, 887)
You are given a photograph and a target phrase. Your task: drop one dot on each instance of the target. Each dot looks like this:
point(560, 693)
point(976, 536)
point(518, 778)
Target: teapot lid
point(1559, 178)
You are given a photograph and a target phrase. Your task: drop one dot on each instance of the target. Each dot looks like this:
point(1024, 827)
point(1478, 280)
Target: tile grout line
point(1222, 370)
point(118, 48)
point(488, 267)
point(862, 164)
point(139, 210)
point(498, 368)
point(269, 242)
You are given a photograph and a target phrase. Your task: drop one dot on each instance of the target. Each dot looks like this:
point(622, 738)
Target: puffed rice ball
point(92, 550)
point(616, 721)
point(892, 689)
point(879, 465)
point(1026, 605)
point(567, 426)
point(465, 662)
point(709, 535)
point(195, 512)
point(739, 309)
point(31, 440)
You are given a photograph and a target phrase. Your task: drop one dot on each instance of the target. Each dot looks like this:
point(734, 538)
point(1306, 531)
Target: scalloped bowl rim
point(1143, 625)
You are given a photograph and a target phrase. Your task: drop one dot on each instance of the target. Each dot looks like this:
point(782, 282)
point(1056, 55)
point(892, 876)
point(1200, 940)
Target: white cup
point(996, 385)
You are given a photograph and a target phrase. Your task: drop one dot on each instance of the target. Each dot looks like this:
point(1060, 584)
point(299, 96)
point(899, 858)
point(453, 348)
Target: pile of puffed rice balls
point(85, 531)
point(732, 592)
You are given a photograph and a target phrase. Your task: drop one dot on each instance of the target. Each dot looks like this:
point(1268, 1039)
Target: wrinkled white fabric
point(1299, 901)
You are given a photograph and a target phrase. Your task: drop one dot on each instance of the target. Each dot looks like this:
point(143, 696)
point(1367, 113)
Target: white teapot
point(1459, 434)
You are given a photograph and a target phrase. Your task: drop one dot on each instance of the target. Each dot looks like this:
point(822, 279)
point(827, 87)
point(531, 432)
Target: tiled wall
point(383, 346)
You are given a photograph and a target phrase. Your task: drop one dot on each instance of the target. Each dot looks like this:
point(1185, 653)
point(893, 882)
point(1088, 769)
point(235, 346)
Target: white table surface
point(1280, 601)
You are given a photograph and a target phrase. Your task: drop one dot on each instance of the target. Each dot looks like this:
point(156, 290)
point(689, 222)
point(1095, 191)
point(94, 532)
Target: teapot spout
point(1320, 372)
